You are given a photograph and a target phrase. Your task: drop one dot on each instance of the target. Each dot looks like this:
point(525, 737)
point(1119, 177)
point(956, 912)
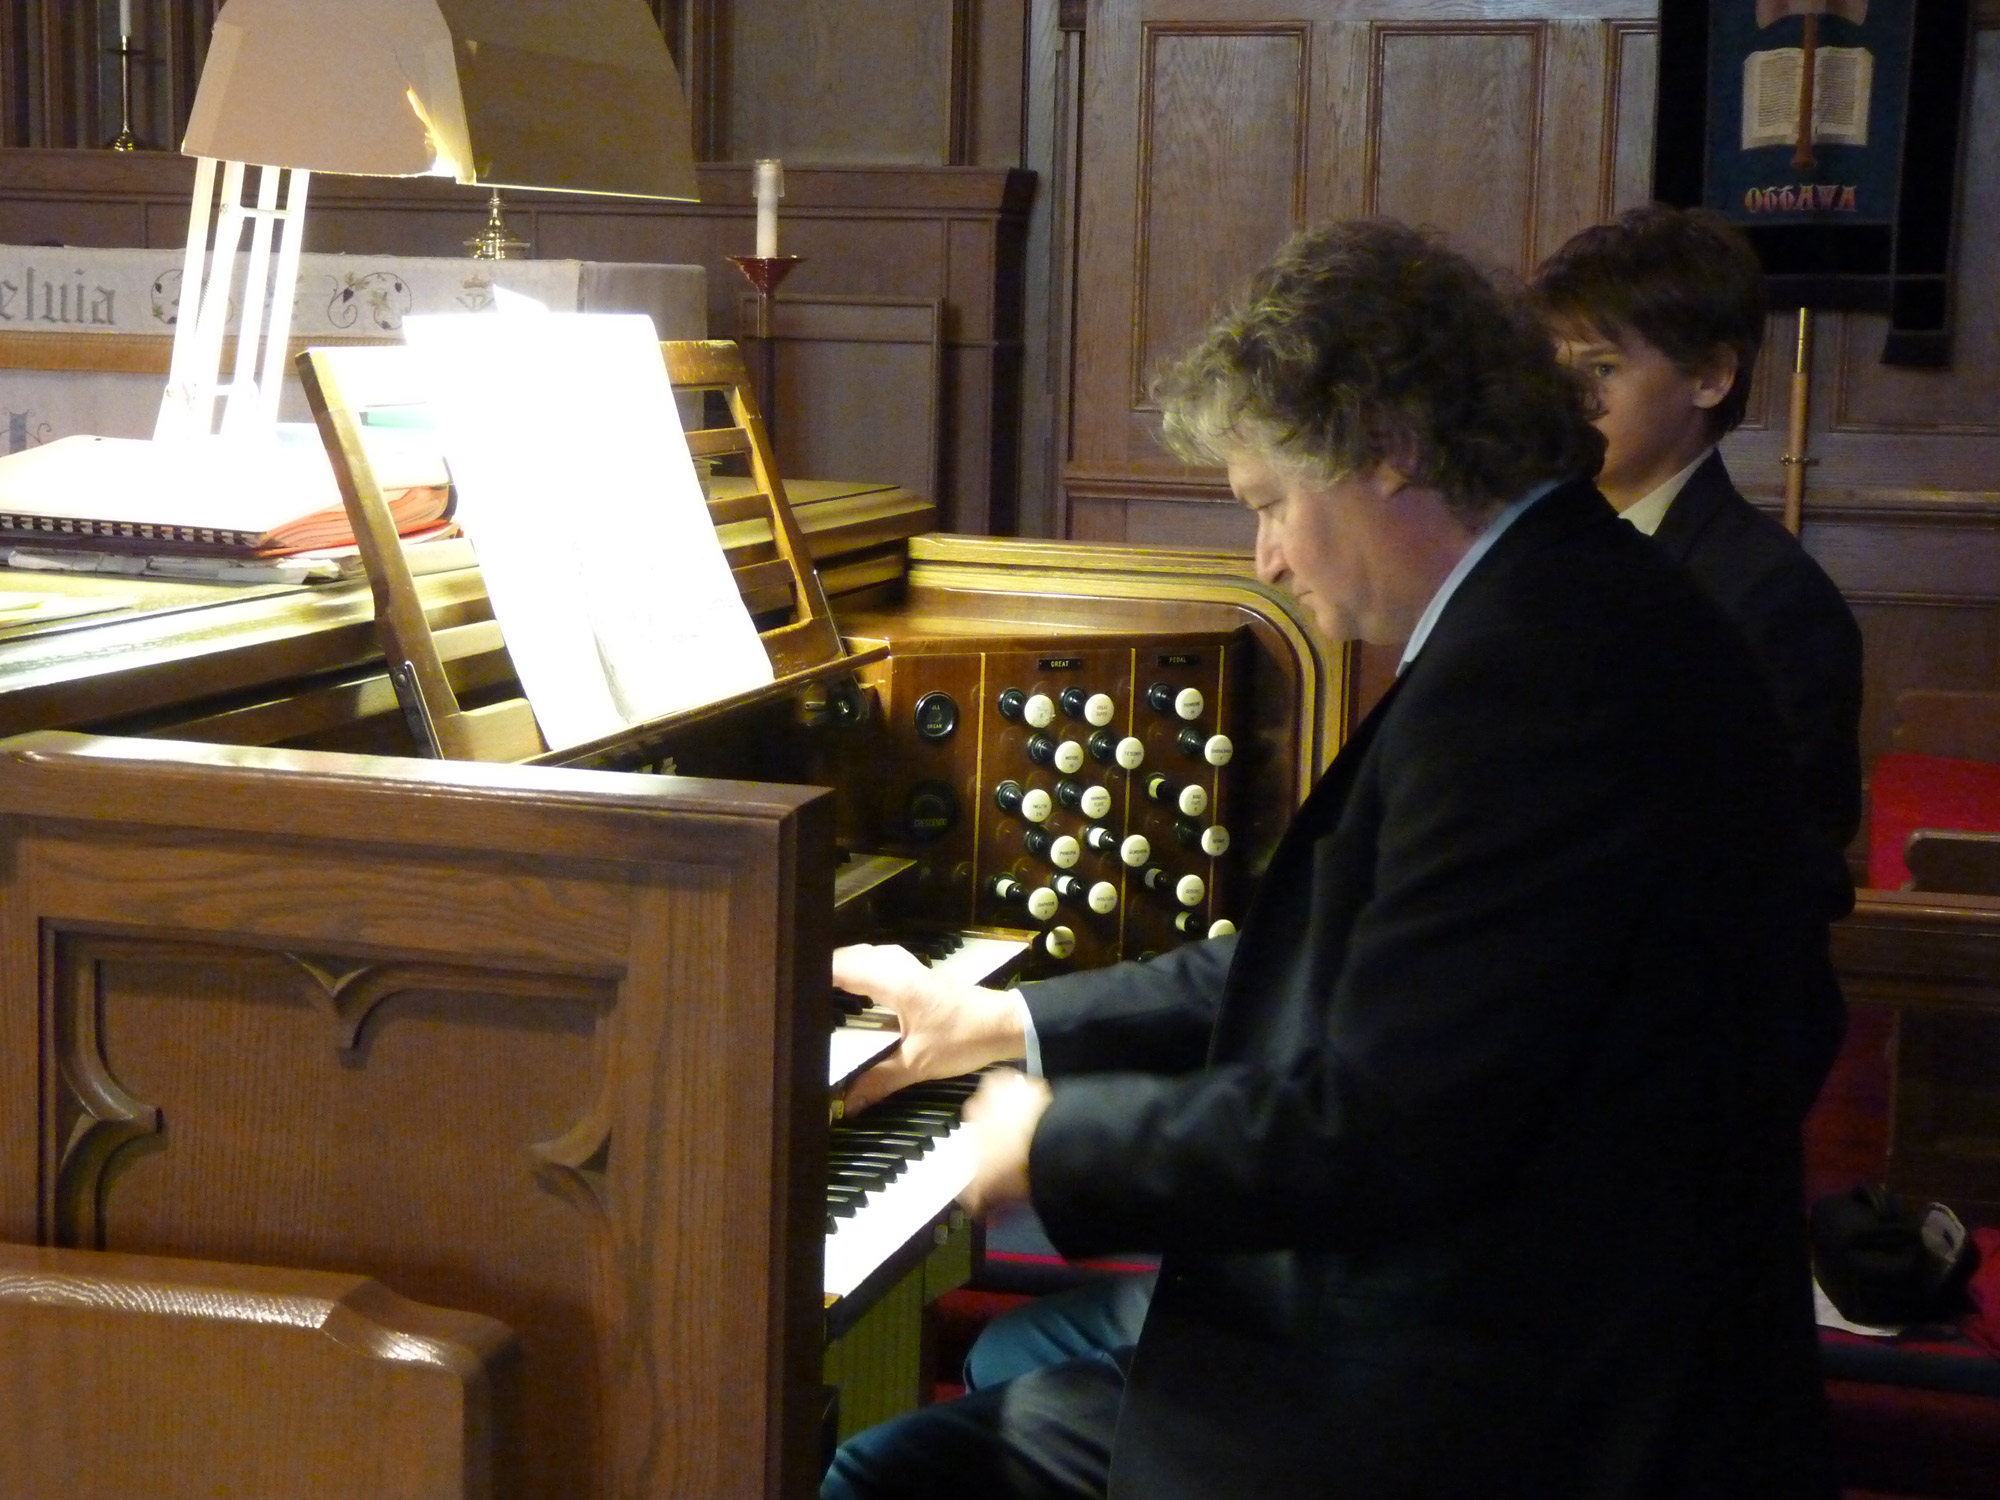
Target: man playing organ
point(1473, 1158)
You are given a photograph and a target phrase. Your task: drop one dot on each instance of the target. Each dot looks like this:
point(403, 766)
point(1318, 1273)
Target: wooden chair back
point(127, 1375)
point(778, 582)
point(1955, 860)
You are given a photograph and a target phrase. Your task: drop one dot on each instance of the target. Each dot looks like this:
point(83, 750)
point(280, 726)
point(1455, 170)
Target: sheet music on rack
point(577, 491)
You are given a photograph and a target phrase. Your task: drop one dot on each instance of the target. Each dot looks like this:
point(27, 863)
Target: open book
point(210, 497)
point(1842, 80)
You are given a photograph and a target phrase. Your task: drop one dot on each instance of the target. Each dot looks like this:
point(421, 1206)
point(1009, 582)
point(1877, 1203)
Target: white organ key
point(894, 1215)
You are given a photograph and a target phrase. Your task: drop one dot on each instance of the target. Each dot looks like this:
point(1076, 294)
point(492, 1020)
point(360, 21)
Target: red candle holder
point(766, 273)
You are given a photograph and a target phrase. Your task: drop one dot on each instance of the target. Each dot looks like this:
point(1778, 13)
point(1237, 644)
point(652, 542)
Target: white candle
point(770, 180)
point(125, 20)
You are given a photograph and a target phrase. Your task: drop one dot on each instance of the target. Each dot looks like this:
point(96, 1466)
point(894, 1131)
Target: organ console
point(548, 1042)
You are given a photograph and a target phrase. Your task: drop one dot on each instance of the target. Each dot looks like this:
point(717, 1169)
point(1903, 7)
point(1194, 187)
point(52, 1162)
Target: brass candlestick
point(496, 241)
point(766, 273)
point(125, 140)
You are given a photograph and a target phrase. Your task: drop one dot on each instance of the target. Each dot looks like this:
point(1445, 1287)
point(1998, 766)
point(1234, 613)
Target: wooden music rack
point(781, 589)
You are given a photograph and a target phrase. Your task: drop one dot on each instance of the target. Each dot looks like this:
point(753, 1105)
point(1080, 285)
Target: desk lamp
point(563, 95)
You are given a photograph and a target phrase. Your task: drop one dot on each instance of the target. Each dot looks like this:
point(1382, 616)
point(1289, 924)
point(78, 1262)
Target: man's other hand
point(1002, 1117)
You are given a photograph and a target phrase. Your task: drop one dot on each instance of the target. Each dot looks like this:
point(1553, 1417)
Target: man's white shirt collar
point(1481, 545)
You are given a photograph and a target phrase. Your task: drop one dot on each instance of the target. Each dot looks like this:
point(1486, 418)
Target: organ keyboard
point(894, 1173)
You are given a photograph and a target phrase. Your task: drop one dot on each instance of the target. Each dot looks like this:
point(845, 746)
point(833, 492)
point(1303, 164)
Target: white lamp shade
point(575, 95)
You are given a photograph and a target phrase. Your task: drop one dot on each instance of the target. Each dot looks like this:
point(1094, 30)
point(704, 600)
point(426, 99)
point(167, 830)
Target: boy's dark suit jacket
point(1804, 635)
point(1472, 1157)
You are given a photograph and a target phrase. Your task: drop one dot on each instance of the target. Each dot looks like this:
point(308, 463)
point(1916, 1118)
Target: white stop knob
point(1136, 850)
point(1189, 890)
point(1059, 942)
point(1103, 898)
point(1215, 840)
point(1131, 753)
point(1098, 710)
point(1041, 903)
point(1193, 800)
point(1219, 750)
point(1036, 805)
point(1039, 711)
point(1188, 703)
point(1069, 757)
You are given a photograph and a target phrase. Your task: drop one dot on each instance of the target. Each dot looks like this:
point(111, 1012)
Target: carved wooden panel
point(300, 1120)
point(528, 1043)
point(806, 82)
point(859, 386)
point(1222, 138)
point(1628, 115)
point(1475, 183)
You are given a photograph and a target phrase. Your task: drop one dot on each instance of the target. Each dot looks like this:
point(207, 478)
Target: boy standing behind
point(1664, 311)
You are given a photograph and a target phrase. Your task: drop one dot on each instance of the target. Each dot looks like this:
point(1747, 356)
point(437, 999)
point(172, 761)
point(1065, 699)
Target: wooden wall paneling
point(1626, 174)
point(1474, 181)
point(1571, 169)
point(1222, 152)
point(865, 81)
point(859, 383)
point(995, 84)
point(1054, 78)
point(59, 80)
point(529, 1042)
point(1107, 227)
point(1493, 128)
point(1197, 125)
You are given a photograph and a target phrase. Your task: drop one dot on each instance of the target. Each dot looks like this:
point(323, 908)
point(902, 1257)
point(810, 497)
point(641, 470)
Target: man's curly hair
point(1368, 341)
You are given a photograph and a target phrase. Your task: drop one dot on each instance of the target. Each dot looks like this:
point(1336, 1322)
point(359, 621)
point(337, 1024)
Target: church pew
point(129, 1375)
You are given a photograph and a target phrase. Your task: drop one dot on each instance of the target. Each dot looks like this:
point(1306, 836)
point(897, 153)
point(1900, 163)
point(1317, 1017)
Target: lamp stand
point(125, 140)
point(194, 379)
point(766, 273)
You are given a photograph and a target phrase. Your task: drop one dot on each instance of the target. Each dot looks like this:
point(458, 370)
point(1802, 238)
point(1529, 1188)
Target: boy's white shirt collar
point(1647, 512)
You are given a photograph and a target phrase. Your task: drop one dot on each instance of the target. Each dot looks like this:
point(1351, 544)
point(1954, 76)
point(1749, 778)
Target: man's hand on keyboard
point(948, 1028)
point(1002, 1116)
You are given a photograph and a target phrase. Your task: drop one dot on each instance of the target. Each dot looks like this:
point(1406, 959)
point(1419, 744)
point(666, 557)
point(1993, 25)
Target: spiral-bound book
point(214, 497)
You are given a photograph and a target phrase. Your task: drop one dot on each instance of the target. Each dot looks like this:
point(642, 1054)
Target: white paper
point(1829, 1316)
point(577, 491)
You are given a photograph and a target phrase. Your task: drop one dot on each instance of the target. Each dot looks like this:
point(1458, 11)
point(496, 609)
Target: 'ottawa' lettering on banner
point(1804, 198)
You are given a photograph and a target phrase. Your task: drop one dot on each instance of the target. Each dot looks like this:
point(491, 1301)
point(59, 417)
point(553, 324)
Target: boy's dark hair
point(1682, 279)
point(1368, 341)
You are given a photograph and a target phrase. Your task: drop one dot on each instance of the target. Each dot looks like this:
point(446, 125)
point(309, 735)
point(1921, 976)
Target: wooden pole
point(1795, 459)
point(1802, 151)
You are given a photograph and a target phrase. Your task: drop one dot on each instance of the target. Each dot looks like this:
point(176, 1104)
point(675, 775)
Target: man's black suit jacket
point(1473, 1158)
point(1803, 634)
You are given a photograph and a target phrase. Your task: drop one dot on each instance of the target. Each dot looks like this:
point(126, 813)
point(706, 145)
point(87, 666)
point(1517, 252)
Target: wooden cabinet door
point(1213, 128)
